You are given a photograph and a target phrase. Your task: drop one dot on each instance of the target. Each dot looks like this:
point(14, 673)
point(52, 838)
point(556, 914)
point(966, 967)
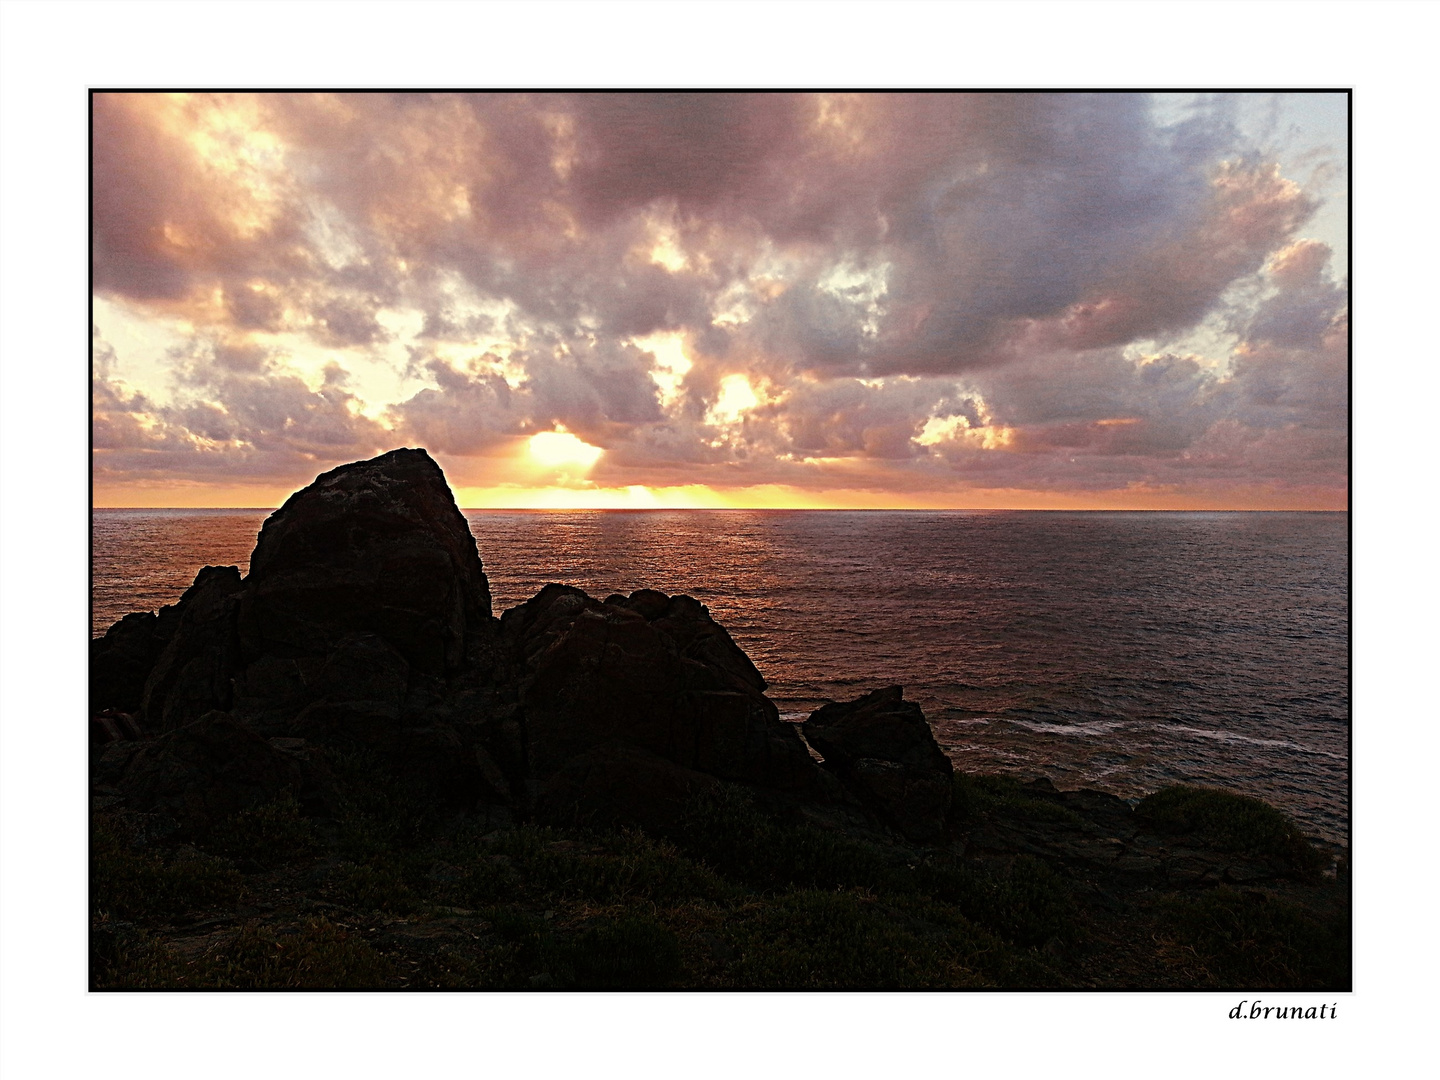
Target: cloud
point(247, 418)
point(1013, 280)
point(1306, 304)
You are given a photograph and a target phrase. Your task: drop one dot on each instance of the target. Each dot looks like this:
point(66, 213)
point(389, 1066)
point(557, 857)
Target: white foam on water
point(1248, 740)
point(1091, 729)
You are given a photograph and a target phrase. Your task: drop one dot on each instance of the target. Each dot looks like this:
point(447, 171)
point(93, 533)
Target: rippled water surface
point(1118, 650)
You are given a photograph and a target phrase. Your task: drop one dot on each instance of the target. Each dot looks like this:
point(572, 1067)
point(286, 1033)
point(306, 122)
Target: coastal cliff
point(346, 760)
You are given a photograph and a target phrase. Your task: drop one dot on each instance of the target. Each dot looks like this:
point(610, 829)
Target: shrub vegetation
point(385, 892)
point(1230, 822)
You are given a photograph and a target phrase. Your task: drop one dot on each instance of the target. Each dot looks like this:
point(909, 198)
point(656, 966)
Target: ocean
point(1118, 650)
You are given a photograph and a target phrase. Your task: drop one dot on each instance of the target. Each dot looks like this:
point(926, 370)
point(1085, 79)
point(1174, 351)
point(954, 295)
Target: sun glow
point(562, 450)
point(788, 497)
point(588, 497)
point(736, 396)
point(677, 497)
point(671, 363)
point(957, 429)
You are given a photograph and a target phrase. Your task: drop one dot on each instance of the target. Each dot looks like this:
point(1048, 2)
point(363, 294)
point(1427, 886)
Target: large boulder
point(193, 672)
point(374, 547)
point(123, 658)
point(366, 611)
point(621, 784)
point(651, 673)
point(882, 748)
point(274, 690)
point(365, 625)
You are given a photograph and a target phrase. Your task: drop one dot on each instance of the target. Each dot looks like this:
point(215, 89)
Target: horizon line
point(831, 509)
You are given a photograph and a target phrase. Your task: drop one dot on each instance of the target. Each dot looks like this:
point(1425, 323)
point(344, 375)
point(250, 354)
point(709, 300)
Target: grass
point(377, 811)
point(268, 835)
point(1243, 939)
point(729, 833)
point(611, 949)
point(122, 956)
point(600, 867)
point(378, 886)
point(975, 796)
point(386, 893)
point(1024, 901)
point(132, 882)
point(632, 952)
point(317, 955)
point(1229, 822)
point(814, 939)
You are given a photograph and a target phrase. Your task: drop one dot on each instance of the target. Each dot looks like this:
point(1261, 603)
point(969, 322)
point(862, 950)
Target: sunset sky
point(948, 300)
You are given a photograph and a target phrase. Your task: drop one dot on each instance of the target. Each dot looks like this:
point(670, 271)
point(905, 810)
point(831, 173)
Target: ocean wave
point(1090, 728)
point(1249, 740)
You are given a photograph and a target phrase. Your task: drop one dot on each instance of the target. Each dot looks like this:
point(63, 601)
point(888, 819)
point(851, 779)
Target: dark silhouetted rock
point(914, 801)
point(112, 726)
point(375, 547)
point(207, 770)
point(432, 756)
point(273, 691)
point(879, 725)
point(365, 625)
point(650, 672)
point(123, 658)
point(192, 675)
point(700, 638)
point(883, 749)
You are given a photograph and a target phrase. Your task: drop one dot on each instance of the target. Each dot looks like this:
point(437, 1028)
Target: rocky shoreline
point(360, 662)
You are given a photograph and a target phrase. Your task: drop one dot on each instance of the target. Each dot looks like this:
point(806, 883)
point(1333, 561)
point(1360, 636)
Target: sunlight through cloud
point(562, 450)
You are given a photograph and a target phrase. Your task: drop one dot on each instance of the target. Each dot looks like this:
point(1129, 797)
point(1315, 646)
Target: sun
point(562, 450)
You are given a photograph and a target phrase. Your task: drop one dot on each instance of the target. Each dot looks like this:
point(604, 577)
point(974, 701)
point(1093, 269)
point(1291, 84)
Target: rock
point(109, 765)
point(113, 726)
point(365, 624)
point(362, 667)
point(914, 801)
point(374, 547)
point(620, 785)
point(699, 637)
point(650, 672)
point(884, 751)
point(432, 758)
point(878, 725)
point(205, 771)
point(1104, 813)
point(192, 675)
point(121, 661)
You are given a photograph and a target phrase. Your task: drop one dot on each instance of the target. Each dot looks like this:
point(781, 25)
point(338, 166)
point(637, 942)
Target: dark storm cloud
point(988, 257)
point(591, 387)
point(1290, 384)
point(707, 152)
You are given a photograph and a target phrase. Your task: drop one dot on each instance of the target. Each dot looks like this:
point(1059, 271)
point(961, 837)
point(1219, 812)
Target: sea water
point(1121, 650)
